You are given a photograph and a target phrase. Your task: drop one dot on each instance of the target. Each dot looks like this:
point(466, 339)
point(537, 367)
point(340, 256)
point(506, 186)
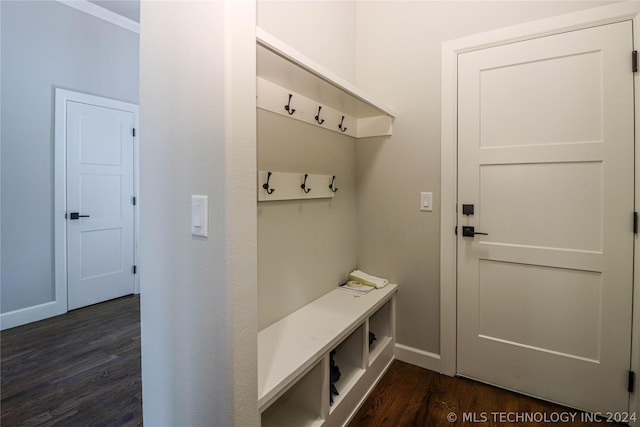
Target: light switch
point(199, 215)
point(426, 202)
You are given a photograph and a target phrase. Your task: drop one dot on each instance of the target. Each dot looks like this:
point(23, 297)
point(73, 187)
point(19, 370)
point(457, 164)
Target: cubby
point(380, 323)
point(294, 353)
point(300, 405)
point(349, 356)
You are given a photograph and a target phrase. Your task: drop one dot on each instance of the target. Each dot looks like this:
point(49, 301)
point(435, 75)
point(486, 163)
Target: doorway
point(96, 198)
point(530, 305)
point(545, 156)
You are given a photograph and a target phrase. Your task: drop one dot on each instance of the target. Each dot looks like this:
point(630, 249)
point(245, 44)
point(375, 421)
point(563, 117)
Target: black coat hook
point(304, 184)
point(331, 186)
point(288, 106)
point(318, 119)
point(340, 125)
point(266, 184)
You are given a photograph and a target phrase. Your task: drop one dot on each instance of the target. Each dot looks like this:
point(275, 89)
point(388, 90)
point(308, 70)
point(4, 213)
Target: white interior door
point(545, 151)
point(100, 187)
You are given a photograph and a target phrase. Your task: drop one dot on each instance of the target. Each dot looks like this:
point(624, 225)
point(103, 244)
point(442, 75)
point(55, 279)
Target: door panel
point(545, 153)
point(545, 208)
point(99, 184)
point(558, 311)
point(547, 92)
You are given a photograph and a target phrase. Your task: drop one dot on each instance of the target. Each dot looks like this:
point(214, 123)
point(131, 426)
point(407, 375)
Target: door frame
point(62, 96)
point(449, 106)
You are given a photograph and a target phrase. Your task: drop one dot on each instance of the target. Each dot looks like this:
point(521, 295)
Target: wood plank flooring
point(83, 369)
point(408, 396)
point(78, 369)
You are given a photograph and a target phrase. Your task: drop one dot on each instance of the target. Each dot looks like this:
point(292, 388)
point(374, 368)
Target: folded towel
point(367, 279)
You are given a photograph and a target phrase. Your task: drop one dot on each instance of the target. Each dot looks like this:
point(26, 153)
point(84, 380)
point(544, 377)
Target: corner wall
point(325, 31)
point(306, 247)
point(198, 295)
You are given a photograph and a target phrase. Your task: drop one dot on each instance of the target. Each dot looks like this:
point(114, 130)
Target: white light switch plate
point(200, 215)
point(426, 202)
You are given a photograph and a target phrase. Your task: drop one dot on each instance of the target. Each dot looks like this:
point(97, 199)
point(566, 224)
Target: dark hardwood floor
point(83, 369)
point(78, 369)
point(408, 396)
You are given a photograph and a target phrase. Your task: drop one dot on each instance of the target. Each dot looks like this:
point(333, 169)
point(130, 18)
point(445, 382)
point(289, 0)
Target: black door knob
point(76, 215)
point(470, 231)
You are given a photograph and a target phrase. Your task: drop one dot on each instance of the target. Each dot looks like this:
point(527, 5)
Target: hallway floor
point(83, 369)
point(408, 396)
point(78, 369)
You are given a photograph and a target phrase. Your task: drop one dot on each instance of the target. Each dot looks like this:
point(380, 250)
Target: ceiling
point(127, 8)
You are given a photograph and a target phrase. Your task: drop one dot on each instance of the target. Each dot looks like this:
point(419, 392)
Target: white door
point(546, 149)
point(100, 187)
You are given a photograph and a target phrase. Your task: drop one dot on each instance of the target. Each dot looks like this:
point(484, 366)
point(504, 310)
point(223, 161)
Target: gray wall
point(45, 45)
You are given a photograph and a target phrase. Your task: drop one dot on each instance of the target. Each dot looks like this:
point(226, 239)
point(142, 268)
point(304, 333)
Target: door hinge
point(635, 223)
point(135, 269)
point(632, 382)
point(634, 61)
point(456, 230)
point(134, 132)
point(133, 200)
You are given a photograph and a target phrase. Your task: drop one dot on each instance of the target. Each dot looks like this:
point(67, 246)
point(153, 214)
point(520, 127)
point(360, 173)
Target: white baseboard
point(31, 314)
point(417, 357)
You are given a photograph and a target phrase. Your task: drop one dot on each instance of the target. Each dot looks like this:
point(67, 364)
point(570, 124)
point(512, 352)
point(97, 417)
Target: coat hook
point(340, 125)
point(318, 119)
point(266, 184)
point(331, 186)
point(304, 184)
point(288, 106)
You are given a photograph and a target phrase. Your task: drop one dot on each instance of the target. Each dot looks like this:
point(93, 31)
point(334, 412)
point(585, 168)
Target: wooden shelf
point(282, 71)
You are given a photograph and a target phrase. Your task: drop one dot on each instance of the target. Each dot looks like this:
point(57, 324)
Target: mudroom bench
point(295, 353)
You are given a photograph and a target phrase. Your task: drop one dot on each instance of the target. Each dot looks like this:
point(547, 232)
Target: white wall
point(398, 62)
point(325, 31)
point(198, 295)
point(305, 247)
point(44, 45)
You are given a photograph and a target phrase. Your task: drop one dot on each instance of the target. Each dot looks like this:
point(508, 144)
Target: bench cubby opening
point(301, 405)
point(349, 357)
point(380, 324)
